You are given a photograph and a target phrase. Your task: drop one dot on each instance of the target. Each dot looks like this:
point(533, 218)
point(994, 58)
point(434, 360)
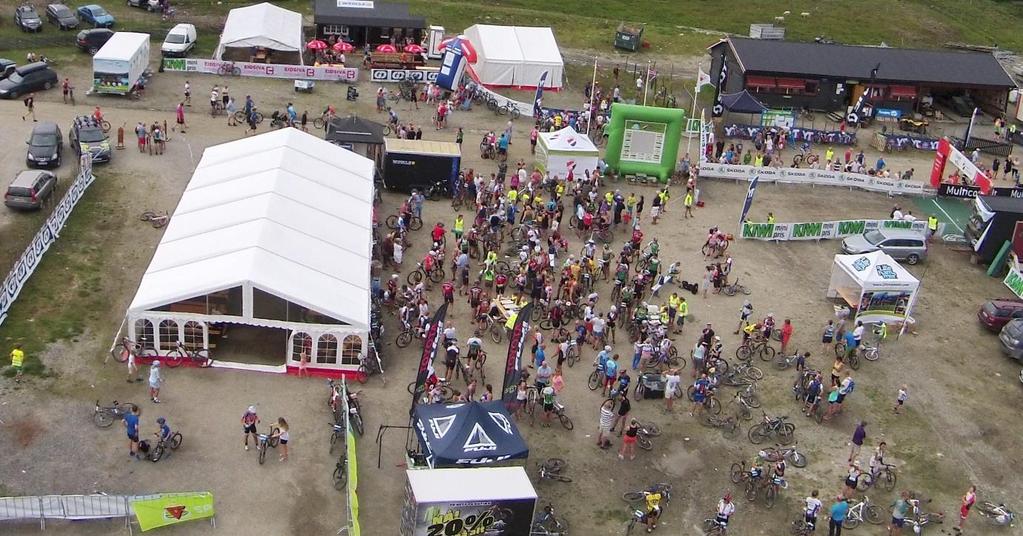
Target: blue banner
point(538, 98)
point(752, 191)
point(452, 66)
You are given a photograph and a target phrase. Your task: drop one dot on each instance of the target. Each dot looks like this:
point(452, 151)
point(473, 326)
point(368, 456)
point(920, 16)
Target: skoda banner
point(823, 230)
point(171, 509)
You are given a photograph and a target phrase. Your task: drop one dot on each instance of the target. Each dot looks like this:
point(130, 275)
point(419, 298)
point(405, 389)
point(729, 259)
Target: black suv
point(45, 146)
point(6, 67)
point(26, 79)
point(92, 40)
point(87, 136)
point(62, 16)
point(26, 18)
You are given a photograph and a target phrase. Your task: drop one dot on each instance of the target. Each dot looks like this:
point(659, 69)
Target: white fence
point(75, 508)
point(815, 177)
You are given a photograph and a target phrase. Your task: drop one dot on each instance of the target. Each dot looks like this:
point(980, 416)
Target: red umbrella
point(386, 48)
point(413, 48)
point(343, 46)
point(316, 44)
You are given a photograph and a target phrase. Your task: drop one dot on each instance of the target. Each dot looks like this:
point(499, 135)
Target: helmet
point(607, 348)
point(161, 420)
point(156, 363)
point(394, 276)
point(252, 409)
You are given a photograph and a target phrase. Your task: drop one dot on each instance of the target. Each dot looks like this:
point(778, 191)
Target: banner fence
point(261, 70)
point(354, 529)
point(824, 230)
point(818, 177)
point(176, 508)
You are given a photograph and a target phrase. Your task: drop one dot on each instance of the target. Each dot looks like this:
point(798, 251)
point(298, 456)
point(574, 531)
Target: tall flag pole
point(593, 93)
point(513, 363)
point(719, 108)
point(538, 96)
point(702, 79)
point(429, 353)
point(854, 116)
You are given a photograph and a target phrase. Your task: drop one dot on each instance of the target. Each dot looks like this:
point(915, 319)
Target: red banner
point(940, 158)
point(429, 352)
point(513, 365)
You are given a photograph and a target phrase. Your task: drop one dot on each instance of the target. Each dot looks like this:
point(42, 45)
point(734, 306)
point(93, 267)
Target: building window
point(300, 343)
point(812, 87)
point(334, 29)
point(351, 348)
point(168, 335)
point(326, 350)
point(144, 333)
point(193, 336)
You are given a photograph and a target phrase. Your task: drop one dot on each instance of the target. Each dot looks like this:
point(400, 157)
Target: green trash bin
point(628, 37)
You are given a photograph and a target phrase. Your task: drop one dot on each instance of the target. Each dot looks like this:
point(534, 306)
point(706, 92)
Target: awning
point(470, 434)
point(791, 83)
point(903, 92)
point(764, 82)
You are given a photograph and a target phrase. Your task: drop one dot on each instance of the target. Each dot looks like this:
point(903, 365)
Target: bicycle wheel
point(644, 442)
point(798, 459)
point(691, 393)
point(711, 527)
point(158, 451)
point(120, 354)
point(728, 290)
point(839, 349)
point(744, 413)
point(737, 472)
point(752, 400)
point(639, 392)
point(318, 123)
point(871, 354)
point(766, 352)
point(782, 363)
point(987, 508)
point(403, 339)
point(851, 521)
point(202, 357)
point(888, 479)
point(743, 353)
point(593, 382)
point(770, 494)
point(103, 419)
point(566, 422)
point(713, 406)
point(873, 514)
point(854, 360)
point(757, 434)
point(786, 433)
point(239, 116)
point(751, 490)
point(262, 453)
point(545, 324)
point(496, 332)
point(175, 441)
point(652, 429)
point(863, 482)
point(340, 475)
point(391, 222)
point(356, 421)
point(514, 113)
point(274, 439)
point(416, 223)
point(633, 496)
point(415, 277)
point(754, 373)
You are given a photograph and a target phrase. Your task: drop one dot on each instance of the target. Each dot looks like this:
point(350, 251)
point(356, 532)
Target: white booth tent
point(515, 56)
point(558, 151)
point(877, 287)
point(272, 231)
point(261, 26)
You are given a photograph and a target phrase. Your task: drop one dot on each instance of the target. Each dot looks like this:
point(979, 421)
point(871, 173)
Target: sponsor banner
point(822, 230)
point(261, 70)
point(354, 529)
point(507, 516)
point(171, 509)
point(390, 76)
point(940, 159)
point(963, 191)
point(1014, 280)
point(750, 192)
point(47, 235)
point(815, 176)
point(890, 113)
point(798, 134)
point(513, 364)
point(429, 351)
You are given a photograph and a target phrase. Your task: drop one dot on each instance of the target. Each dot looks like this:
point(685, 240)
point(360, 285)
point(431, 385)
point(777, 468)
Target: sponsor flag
point(719, 108)
point(452, 66)
point(538, 97)
point(940, 158)
point(163, 510)
point(429, 352)
point(856, 115)
point(752, 191)
point(702, 79)
point(513, 364)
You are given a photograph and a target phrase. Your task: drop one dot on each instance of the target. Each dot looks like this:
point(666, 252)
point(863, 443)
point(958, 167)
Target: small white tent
point(557, 152)
point(261, 26)
point(273, 231)
point(873, 284)
point(515, 56)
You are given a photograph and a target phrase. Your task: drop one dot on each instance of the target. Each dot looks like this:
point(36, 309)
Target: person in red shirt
point(637, 238)
point(786, 335)
point(500, 282)
point(587, 221)
point(428, 261)
point(448, 290)
point(437, 234)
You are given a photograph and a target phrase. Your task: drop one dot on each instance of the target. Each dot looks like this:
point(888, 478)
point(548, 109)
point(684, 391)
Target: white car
point(179, 42)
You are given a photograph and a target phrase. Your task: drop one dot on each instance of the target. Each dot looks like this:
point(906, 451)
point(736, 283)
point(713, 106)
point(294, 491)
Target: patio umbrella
point(386, 48)
point(343, 46)
point(413, 48)
point(316, 44)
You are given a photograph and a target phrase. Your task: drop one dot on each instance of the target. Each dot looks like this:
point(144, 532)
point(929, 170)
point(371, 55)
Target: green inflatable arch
point(643, 140)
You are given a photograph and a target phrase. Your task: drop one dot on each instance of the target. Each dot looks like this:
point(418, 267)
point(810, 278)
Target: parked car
point(26, 18)
point(148, 5)
point(900, 244)
point(45, 145)
point(996, 313)
point(26, 79)
point(92, 40)
point(6, 67)
point(87, 136)
point(180, 41)
point(1011, 338)
point(30, 189)
point(96, 16)
point(61, 16)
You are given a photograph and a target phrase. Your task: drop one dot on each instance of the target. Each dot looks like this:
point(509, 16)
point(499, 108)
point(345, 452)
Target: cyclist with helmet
point(249, 422)
point(725, 510)
point(653, 509)
point(164, 432)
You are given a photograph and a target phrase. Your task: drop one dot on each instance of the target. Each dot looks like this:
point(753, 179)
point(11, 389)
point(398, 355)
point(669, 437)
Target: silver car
point(899, 244)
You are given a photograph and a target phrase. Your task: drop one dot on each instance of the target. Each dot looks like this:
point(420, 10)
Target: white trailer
point(121, 63)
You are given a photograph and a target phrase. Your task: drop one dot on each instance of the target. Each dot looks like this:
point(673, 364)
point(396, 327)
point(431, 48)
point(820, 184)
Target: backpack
point(852, 385)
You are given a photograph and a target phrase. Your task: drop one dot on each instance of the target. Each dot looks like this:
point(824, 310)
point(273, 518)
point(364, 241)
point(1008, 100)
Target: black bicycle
point(340, 475)
point(266, 441)
point(164, 446)
point(776, 426)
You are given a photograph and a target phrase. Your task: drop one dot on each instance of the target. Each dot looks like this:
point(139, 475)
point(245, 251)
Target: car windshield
point(62, 11)
point(91, 135)
point(98, 12)
point(175, 38)
point(874, 237)
point(43, 140)
point(15, 78)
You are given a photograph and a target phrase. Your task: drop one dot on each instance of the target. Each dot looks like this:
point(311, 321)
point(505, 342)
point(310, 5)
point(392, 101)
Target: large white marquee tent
point(261, 26)
point(272, 231)
point(516, 56)
point(559, 151)
point(875, 286)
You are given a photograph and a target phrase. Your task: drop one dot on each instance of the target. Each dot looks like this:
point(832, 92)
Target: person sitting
point(352, 94)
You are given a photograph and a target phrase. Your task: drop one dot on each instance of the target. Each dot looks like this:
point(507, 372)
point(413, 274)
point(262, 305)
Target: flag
point(855, 116)
point(719, 108)
point(513, 364)
point(429, 352)
point(752, 191)
point(702, 79)
point(538, 97)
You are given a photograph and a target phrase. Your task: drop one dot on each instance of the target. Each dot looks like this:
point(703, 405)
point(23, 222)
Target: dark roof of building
point(382, 14)
point(907, 65)
point(352, 129)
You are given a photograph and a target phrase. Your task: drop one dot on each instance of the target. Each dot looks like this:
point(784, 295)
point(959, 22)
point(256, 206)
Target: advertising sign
point(750, 192)
point(963, 191)
point(513, 364)
point(883, 305)
point(393, 76)
point(475, 518)
point(429, 351)
point(171, 509)
point(452, 66)
point(778, 118)
point(354, 529)
point(822, 230)
point(812, 176)
point(261, 70)
point(1014, 280)
point(890, 113)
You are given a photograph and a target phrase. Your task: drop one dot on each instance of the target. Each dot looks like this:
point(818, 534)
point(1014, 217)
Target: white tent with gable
point(875, 286)
point(559, 151)
point(515, 56)
point(262, 26)
point(272, 231)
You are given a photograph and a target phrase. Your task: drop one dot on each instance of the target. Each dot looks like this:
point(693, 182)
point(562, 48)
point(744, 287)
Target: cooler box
point(653, 386)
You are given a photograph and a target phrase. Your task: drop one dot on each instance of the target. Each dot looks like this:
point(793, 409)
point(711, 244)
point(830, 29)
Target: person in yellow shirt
point(513, 195)
point(17, 361)
point(759, 161)
point(770, 217)
point(609, 197)
point(688, 202)
point(829, 155)
point(559, 189)
point(459, 227)
point(683, 312)
point(653, 510)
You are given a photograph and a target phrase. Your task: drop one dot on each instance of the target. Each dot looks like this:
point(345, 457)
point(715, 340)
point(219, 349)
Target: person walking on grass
point(249, 422)
point(965, 505)
point(17, 361)
point(155, 381)
point(900, 398)
point(284, 436)
point(857, 440)
point(131, 426)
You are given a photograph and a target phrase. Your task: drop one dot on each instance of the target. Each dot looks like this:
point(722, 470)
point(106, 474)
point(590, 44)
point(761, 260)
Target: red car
point(998, 312)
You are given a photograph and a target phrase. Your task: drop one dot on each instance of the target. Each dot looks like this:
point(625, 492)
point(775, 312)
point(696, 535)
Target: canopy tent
point(515, 56)
point(875, 285)
point(263, 26)
point(557, 152)
point(471, 434)
point(742, 103)
point(272, 231)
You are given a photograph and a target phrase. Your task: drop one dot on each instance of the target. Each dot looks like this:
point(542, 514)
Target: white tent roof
point(876, 270)
point(284, 211)
point(567, 140)
point(262, 25)
point(515, 55)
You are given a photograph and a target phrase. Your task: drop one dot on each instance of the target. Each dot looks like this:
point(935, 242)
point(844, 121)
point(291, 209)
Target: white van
point(180, 40)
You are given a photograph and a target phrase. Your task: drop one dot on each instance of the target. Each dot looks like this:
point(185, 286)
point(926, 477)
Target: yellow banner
point(172, 509)
point(353, 474)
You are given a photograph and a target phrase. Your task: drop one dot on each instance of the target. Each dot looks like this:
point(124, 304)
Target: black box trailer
point(418, 164)
point(992, 223)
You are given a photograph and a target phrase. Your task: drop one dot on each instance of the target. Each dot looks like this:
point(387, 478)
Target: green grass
point(66, 294)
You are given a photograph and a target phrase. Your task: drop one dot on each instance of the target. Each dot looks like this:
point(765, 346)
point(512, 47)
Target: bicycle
point(744, 410)
point(240, 116)
point(337, 432)
point(447, 393)
point(646, 431)
point(770, 427)
point(776, 454)
point(996, 513)
point(559, 410)
point(784, 362)
point(749, 348)
point(405, 337)
point(129, 347)
point(729, 426)
point(863, 511)
point(735, 288)
point(340, 476)
point(229, 69)
point(180, 354)
point(270, 440)
point(156, 219)
point(104, 416)
point(802, 527)
point(415, 222)
point(546, 524)
point(713, 527)
point(886, 477)
point(369, 366)
point(551, 469)
point(710, 402)
point(321, 122)
point(435, 275)
point(163, 447)
point(597, 378)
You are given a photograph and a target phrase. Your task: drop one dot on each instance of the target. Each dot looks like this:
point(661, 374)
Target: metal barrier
point(75, 508)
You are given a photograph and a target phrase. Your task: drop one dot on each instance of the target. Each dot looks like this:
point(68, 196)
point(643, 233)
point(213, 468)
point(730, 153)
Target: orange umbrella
point(316, 44)
point(386, 48)
point(413, 48)
point(343, 46)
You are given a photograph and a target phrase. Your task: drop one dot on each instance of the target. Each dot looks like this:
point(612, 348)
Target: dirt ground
point(959, 427)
